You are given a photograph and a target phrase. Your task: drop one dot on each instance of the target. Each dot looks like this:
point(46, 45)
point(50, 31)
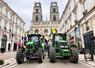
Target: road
point(47, 64)
point(11, 63)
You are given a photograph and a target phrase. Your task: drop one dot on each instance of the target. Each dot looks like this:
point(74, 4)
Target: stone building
point(78, 21)
point(11, 27)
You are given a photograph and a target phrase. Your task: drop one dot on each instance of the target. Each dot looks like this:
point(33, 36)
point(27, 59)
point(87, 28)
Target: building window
point(54, 18)
point(46, 31)
point(16, 29)
point(69, 18)
point(10, 26)
point(10, 16)
point(78, 37)
point(75, 12)
point(87, 27)
point(0, 22)
point(36, 31)
point(6, 13)
point(4, 42)
point(36, 19)
point(5, 25)
point(54, 10)
point(37, 10)
point(0, 8)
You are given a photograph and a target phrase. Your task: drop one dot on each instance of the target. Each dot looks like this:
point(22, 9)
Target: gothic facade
point(44, 27)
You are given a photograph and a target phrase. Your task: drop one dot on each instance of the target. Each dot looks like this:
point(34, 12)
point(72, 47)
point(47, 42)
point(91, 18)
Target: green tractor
point(60, 49)
point(34, 49)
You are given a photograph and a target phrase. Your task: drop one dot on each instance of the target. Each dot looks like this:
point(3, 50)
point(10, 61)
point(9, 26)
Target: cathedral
point(38, 26)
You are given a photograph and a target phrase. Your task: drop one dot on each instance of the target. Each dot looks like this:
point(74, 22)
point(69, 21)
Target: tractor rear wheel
point(52, 55)
point(20, 56)
point(74, 57)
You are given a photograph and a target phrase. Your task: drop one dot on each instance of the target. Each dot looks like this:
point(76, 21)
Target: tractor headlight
point(62, 47)
point(66, 46)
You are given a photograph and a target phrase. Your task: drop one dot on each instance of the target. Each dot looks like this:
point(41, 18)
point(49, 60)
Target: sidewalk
point(7, 57)
point(89, 63)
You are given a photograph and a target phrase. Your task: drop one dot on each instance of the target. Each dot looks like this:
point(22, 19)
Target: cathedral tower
point(37, 12)
point(54, 13)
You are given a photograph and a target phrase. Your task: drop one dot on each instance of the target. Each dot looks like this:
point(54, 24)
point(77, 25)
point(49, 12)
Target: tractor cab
point(33, 42)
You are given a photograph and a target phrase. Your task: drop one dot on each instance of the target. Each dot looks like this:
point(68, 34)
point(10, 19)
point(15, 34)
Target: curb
point(8, 65)
point(8, 62)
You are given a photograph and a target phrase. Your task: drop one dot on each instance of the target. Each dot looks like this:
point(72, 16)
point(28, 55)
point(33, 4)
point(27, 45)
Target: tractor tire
point(20, 56)
point(52, 55)
point(40, 57)
point(43, 53)
point(74, 57)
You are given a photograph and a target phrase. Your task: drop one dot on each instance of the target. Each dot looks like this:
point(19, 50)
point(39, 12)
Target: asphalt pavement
point(10, 62)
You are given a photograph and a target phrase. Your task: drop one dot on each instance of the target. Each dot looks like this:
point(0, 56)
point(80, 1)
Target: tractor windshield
point(63, 44)
point(34, 38)
point(58, 37)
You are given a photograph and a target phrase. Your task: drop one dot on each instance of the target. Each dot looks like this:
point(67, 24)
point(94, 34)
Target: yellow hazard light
point(54, 30)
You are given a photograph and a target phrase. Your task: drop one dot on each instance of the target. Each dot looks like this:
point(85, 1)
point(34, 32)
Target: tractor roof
point(59, 34)
point(62, 41)
point(34, 35)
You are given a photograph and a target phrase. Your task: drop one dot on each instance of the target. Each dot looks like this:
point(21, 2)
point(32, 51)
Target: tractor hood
point(30, 43)
point(66, 52)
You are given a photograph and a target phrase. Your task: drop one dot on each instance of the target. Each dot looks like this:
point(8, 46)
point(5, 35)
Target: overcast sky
point(24, 9)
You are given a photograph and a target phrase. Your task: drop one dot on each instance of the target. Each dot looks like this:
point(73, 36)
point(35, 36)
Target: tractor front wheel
point(74, 58)
point(40, 57)
point(52, 55)
point(20, 56)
